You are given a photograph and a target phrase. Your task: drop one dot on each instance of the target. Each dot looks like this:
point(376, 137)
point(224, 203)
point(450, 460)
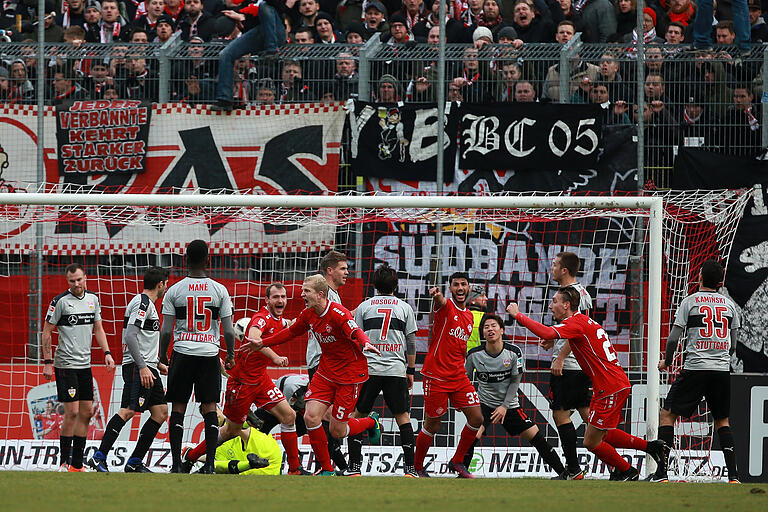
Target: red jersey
point(251, 366)
point(595, 354)
point(446, 355)
point(341, 360)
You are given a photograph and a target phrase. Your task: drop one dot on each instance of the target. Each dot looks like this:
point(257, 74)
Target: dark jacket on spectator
point(205, 26)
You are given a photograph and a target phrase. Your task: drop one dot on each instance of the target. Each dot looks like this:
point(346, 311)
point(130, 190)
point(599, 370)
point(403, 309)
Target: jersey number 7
point(387, 312)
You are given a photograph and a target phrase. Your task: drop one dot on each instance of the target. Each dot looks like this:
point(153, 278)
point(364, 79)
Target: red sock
point(468, 436)
point(291, 446)
point(423, 442)
point(320, 447)
point(620, 439)
point(196, 452)
point(608, 454)
point(357, 425)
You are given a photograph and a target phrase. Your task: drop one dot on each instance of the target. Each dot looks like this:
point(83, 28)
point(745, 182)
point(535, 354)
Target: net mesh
point(506, 250)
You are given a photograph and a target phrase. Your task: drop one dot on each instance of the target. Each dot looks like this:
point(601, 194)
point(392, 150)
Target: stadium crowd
point(693, 90)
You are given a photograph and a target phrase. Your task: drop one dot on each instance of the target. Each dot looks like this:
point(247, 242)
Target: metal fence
point(704, 99)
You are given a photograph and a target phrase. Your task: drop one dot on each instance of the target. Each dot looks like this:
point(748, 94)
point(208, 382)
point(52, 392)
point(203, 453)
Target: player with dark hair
point(593, 350)
point(341, 372)
point(497, 367)
point(248, 383)
point(196, 305)
point(568, 384)
point(445, 377)
point(76, 315)
point(712, 323)
point(142, 387)
point(390, 323)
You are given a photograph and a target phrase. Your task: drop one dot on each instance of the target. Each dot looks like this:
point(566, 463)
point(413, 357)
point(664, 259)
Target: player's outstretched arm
point(438, 299)
point(273, 356)
point(297, 329)
point(671, 346)
point(101, 339)
point(165, 337)
point(542, 331)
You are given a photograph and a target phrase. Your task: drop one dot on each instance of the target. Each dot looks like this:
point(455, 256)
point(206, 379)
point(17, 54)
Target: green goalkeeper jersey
point(259, 443)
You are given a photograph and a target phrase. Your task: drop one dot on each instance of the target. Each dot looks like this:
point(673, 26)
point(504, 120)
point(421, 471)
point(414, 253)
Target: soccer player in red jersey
point(342, 370)
point(610, 385)
point(445, 376)
point(248, 383)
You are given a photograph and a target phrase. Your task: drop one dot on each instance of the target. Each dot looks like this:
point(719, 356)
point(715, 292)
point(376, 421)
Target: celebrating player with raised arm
point(445, 376)
point(142, 387)
point(498, 367)
point(390, 323)
point(342, 369)
point(195, 305)
point(712, 321)
point(76, 315)
point(249, 383)
point(610, 385)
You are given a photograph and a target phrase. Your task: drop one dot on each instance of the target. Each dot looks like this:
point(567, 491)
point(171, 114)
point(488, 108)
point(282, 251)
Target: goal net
point(505, 243)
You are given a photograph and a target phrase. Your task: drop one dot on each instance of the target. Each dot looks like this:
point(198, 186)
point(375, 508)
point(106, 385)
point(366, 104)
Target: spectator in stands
point(53, 33)
point(529, 27)
point(112, 26)
point(74, 35)
point(72, 13)
point(110, 93)
point(571, 14)
point(424, 82)
point(398, 30)
point(5, 86)
point(472, 15)
point(139, 36)
point(681, 11)
point(454, 92)
point(759, 29)
point(148, 21)
point(742, 123)
point(702, 27)
point(454, 29)
point(709, 76)
point(492, 18)
point(698, 126)
point(510, 74)
point(413, 11)
point(22, 90)
point(474, 80)
point(292, 88)
point(481, 36)
point(174, 9)
point(196, 22)
point(347, 12)
point(308, 10)
point(65, 88)
point(649, 29)
point(613, 112)
point(389, 90)
point(265, 92)
point(618, 89)
point(92, 16)
point(375, 14)
point(325, 29)
point(345, 81)
point(599, 16)
point(725, 33)
point(674, 35)
point(98, 78)
point(303, 35)
point(194, 77)
point(355, 33)
point(660, 125)
point(626, 18)
point(137, 82)
point(165, 27)
point(525, 92)
point(582, 74)
point(507, 35)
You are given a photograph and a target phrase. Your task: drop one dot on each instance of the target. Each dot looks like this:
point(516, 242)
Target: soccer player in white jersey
point(335, 269)
point(497, 368)
point(569, 385)
point(712, 323)
point(142, 387)
point(76, 315)
point(390, 323)
point(195, 306)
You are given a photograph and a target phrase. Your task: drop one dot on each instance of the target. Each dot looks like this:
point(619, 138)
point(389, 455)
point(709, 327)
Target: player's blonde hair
point(318, 283)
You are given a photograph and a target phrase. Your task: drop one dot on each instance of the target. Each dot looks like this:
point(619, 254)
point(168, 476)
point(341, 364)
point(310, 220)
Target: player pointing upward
point(593, 350)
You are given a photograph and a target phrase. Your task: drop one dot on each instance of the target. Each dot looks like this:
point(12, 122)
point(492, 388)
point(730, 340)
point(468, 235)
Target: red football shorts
point(605, 412)
point(239, 397)
point(462, 394)
point(342, 397)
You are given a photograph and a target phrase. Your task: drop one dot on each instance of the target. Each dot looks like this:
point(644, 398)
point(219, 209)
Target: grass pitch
point(41, 491)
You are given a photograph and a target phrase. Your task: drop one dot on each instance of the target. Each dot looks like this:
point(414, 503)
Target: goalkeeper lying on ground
point(250, 453)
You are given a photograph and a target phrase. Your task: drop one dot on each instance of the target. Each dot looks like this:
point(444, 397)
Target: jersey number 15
point(198, 315)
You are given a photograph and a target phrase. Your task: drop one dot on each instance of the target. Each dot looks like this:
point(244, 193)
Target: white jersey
point(709, 317)
point(313, 347)
point(585, 305)
point(141, 312)
point(197, 303)
point(74, 318)
point(386, 320)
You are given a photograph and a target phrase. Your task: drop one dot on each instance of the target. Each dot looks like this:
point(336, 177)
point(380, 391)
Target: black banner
point(102, 137)
point(400, 142)
point(530, 136)
point(746, 278)
point(749, 410)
